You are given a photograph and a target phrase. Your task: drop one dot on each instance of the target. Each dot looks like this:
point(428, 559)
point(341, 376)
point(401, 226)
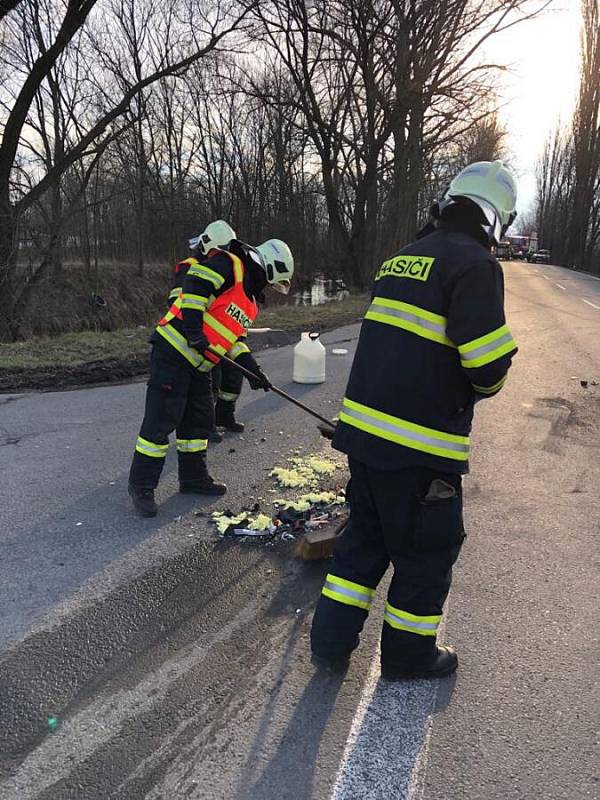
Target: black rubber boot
point(225, 416)
point(444, 661)
point(340, 664)
point(215, 437)
point(143, 501)
point(198, 481)
point(333, 663)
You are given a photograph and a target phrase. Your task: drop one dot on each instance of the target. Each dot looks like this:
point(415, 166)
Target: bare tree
point(182, 38)
point(382, 86)
point(6, 6)
point(586, 138)
point(568, 170)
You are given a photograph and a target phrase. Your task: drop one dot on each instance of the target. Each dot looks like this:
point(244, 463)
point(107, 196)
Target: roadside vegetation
point(127, 126)
point(98, 356)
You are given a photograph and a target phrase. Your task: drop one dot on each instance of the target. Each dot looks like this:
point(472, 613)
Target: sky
point(541, 86)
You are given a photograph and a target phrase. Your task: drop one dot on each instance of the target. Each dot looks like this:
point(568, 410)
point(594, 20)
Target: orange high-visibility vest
point(228, 316)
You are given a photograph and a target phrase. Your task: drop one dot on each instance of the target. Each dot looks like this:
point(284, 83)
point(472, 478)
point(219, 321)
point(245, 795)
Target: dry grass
point(77, 348)
point(323, 317)
point(72, 349)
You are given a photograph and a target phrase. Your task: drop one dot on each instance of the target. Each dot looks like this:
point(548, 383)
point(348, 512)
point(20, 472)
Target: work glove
point(199, 342)
point(258, 380)
point(327, 431)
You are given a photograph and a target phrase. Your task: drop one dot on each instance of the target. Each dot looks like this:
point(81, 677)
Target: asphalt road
point(177, 666)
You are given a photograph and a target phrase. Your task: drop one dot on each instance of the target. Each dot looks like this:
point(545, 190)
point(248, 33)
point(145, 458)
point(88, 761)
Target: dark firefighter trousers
point(178, 398)
point(392, 521)
point(227, 382)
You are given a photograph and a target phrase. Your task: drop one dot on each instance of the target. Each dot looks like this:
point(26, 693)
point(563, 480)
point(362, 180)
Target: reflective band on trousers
point(491, 389)
point(410, 318)
point(405, 621)
point(487, 348)
point(192, 445)
point(229, 397)
point(180, 344)
point(152, 449)
point(348, 592)
point(401, 431)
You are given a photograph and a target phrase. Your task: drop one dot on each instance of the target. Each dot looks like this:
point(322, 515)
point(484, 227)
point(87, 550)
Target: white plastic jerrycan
point(309, 359)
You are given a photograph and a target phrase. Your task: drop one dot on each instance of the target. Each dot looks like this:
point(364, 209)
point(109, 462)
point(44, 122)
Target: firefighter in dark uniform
point(226, 380)
point(434, 341)
point(218, 302)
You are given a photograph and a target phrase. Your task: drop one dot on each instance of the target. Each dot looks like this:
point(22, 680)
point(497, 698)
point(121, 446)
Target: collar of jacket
point(255, 279)
point(473, 230)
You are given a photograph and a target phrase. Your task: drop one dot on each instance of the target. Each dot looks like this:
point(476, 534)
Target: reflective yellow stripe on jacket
point(220, 329)
point(491, 389)
point(401, 431)
point(179, 342)
point(194, 301)
point(206, 274)
point(237, 350)
point(487, 348)
point(410, 318)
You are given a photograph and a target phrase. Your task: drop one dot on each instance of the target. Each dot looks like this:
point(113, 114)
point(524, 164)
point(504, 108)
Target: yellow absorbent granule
point(223, 521)
point(304, 472)
point(262, 522)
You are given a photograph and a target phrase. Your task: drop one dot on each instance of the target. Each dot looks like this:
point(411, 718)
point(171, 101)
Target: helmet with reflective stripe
point(493, 189)
point(278, 263)
point(218, 234)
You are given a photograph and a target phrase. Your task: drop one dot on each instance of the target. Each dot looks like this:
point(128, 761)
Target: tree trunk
point(8, 264)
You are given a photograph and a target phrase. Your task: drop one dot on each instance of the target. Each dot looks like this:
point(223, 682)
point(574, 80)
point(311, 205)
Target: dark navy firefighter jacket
point(433, 341)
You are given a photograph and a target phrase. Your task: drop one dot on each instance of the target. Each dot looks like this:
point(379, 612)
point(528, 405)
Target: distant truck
point(504, 251)
point(519, 246)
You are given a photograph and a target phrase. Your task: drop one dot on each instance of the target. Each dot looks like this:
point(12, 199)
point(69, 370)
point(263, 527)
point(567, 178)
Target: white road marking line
point(560, 286)
point(388, 745)
point(589, 302)
point(545, 277)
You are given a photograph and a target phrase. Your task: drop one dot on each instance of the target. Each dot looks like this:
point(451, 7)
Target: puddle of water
point(323, 290)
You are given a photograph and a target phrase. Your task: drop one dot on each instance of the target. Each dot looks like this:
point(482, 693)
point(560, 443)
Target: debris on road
point(304, 472)
point(289, 516)
point(289, 519)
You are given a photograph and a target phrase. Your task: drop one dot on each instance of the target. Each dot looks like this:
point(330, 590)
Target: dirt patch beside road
point(89, 357)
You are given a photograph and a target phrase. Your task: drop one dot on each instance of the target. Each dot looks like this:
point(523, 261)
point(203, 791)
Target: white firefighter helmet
point(491, 186)
point(278, 263)
point(217, 234)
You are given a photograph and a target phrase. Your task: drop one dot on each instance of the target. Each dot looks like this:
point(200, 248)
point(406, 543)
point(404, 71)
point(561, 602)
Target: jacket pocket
point(439, 519)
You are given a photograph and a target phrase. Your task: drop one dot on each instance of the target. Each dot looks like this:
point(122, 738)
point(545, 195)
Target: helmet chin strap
point(488, 221)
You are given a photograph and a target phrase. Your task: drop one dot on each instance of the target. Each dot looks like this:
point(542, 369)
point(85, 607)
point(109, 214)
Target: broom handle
point(278, 391)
